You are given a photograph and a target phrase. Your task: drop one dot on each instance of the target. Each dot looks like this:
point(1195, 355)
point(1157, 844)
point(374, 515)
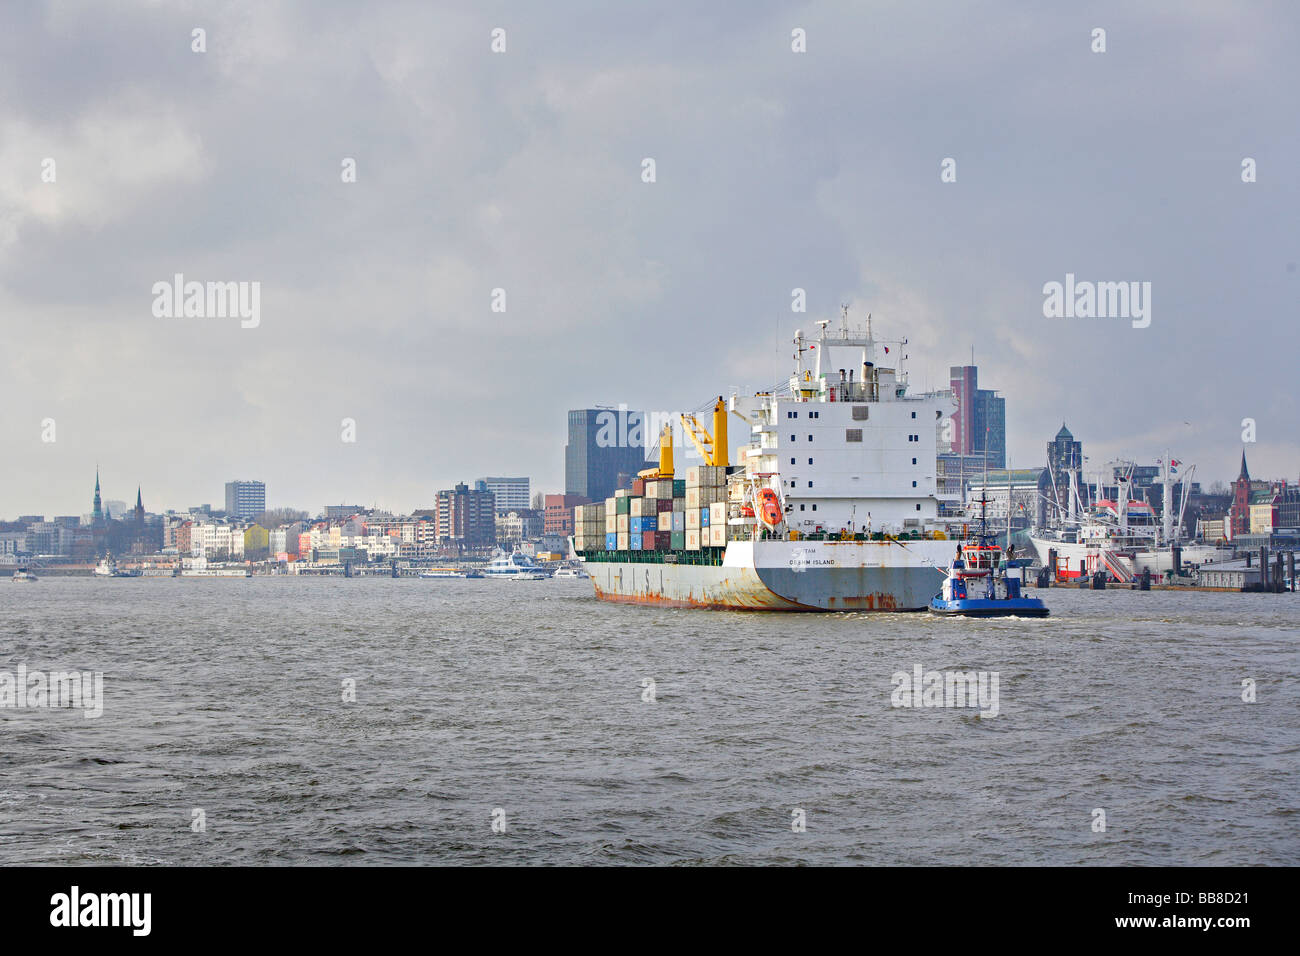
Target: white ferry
point(571, 573)
point(450, 573)
point(513, 565)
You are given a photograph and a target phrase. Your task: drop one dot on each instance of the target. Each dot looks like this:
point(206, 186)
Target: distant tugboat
point(984, 582)
point(22, 574)
point(107, 568)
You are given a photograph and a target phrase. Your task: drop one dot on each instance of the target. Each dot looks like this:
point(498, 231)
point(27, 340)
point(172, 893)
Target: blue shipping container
point(611, 541)
point(679, 521)
point(704, 517)
point(635, 542)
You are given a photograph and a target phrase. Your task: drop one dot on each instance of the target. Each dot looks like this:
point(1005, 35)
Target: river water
point(771, 738)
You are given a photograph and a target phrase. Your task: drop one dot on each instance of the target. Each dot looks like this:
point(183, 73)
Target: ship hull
point(785, 576)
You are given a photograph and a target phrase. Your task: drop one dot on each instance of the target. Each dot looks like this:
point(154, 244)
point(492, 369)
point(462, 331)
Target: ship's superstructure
point(830, 504)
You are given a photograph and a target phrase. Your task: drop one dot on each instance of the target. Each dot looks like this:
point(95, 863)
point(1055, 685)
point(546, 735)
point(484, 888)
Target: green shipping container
point(679, 487)
point(679, 541)
point(623, 504)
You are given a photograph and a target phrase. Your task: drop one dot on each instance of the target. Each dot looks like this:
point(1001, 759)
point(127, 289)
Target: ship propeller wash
point(829, 505)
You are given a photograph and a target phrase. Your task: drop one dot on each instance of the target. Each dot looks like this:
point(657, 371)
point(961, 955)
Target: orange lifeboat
point(769, 507)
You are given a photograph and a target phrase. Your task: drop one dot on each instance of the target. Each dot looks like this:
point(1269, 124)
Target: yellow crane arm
point(701, 439)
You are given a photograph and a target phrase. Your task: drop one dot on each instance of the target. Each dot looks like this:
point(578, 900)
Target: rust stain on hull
point(869, 602)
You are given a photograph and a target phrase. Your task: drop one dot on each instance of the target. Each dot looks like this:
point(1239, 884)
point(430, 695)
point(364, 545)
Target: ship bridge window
point(810, 484)
point(801, 507)
point(810, 461)
point(792, 438)
point(854, 434)
point(792, 461)
point(814, 507)
point(913, 414)
point(914, 461)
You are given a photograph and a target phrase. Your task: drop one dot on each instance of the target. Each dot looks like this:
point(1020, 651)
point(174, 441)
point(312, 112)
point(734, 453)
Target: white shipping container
point(665, 521)
point(693, 519)
point(693, 538)
point(717, 513)
point(717, 535)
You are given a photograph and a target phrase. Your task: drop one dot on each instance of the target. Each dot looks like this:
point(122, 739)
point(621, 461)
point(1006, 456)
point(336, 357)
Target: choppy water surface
point(225, 695)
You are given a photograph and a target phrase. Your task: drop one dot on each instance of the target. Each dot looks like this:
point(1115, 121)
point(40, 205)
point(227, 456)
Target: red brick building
point(559, 513)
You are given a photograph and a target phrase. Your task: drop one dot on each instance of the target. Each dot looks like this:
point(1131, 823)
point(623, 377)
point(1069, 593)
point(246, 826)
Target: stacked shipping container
point(659, 514)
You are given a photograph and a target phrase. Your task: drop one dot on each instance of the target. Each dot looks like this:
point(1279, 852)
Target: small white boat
point(22, 574)
point(573, 573)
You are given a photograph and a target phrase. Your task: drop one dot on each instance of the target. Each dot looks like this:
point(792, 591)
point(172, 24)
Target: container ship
point(829, 504)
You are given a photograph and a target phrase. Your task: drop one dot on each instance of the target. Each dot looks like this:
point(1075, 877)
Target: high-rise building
point(606, 448)
point(980, 422)
point(1064, 455)
point(511, 494)
point(466, 518)
point(245, 499)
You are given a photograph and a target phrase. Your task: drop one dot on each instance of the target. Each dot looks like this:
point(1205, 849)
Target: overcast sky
point(522, 171)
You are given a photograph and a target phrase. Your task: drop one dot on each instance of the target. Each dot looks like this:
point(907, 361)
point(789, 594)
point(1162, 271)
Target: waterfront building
point(335, 512)
point(217, 540)
point(510, 494)
point(1243, 491)
point(605, 450)
point(558, 519)
point(245, 499)
point(1022, 491)
point(516, 526)
point(466, 518)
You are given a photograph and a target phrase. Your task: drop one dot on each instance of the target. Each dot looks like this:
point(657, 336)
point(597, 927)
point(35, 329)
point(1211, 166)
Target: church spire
point(1245, 475)
point(98, 512)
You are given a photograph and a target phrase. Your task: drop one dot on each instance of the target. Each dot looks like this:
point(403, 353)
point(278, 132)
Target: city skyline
point(820, 171)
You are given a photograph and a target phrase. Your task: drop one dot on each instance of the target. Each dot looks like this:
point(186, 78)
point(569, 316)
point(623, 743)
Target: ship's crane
point(665, 469)
point(712, 448)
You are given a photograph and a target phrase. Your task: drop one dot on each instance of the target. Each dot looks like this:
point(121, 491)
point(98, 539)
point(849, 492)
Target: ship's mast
point(1166, 502)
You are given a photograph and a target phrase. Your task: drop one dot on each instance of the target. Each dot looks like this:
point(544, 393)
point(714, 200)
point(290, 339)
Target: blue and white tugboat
point(984, 582)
